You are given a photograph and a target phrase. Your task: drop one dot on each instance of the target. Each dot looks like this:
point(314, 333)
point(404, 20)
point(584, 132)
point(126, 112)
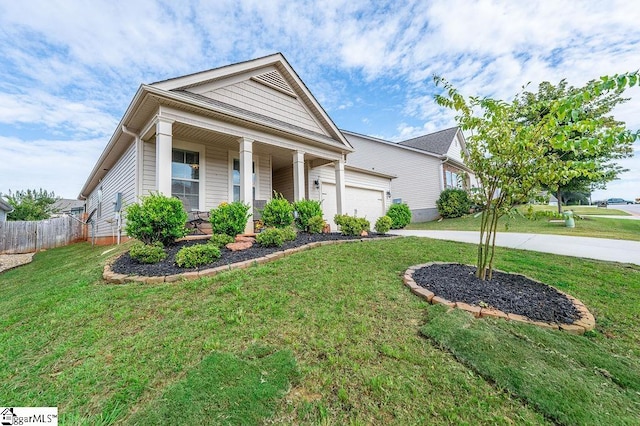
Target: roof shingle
point(438, 142)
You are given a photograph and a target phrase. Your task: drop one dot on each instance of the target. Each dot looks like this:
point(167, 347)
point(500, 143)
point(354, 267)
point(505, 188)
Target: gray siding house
point(247, 130)
point(423, 167)
point(238, 132)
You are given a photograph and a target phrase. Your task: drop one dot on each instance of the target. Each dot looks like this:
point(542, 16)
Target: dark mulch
point(507, 292)
point(128, 266)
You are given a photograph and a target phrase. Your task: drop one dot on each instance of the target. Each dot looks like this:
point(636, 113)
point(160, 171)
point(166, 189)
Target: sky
point(69, 69)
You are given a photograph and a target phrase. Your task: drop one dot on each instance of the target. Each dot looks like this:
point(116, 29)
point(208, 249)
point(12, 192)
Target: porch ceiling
point(280, 157)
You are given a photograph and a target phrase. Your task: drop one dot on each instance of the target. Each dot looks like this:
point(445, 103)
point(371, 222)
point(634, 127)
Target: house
point(5, 209)
point(238, 132)
point(423, 167)
point(66, 206)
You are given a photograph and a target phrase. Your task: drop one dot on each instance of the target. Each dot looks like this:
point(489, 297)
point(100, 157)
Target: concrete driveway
point(623, 251)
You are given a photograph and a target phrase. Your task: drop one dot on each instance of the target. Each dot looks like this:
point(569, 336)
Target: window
point(236, 179)
point(452, 180)
point(185, 177)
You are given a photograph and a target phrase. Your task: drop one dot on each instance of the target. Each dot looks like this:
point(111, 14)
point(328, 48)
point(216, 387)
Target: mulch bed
point(507, 292)
point(128, 266)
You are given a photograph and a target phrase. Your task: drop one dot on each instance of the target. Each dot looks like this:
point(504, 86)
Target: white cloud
point(71, 68)
point(54, 165)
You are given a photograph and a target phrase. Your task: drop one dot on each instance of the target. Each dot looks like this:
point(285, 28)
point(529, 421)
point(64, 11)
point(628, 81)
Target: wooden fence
point(27, 237)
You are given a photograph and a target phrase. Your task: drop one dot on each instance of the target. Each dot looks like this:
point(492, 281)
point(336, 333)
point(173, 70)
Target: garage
point(360, 202)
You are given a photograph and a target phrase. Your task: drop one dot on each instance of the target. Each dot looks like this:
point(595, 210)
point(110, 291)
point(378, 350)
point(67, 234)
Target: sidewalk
point(623, 251)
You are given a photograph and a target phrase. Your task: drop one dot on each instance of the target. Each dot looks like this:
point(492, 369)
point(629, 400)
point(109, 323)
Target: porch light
point(388, 194)
point(316, 183)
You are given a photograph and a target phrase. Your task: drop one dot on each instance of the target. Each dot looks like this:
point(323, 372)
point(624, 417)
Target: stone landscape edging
point(586, 322)
point(115, 278)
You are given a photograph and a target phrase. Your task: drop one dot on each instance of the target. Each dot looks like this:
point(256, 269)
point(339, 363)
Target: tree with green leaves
point(598, 159)
point(510, 155)
point(31, 204)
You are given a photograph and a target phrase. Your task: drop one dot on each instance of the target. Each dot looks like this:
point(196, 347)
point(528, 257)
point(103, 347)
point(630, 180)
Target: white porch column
point(246, 178)
point(298, 176)
point(164, 142)
point(340, 188)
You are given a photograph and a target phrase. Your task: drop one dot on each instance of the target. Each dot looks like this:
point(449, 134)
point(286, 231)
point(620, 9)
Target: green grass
point(598, 227)
point(333, 326)
point(582, 210)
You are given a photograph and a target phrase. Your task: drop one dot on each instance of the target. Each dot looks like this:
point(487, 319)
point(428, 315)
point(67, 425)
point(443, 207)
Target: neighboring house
point(65, 206)
point(238, 132)
point(423, 166)
point(5, 209)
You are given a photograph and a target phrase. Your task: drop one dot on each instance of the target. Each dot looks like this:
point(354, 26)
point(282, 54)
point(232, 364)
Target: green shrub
point(453, 203)
point(315, 225)
point(289, 233)
point(157, 219)
point(201, 254)
point(278, 212)
point(275, 237)
point(400, 215)
point(383, 224)
point(230, 219)
point(221, 240)
point(306, 210)
point(350, 225)
point(148, 253)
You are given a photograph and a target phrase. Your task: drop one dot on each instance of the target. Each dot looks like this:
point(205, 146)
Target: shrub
point(270, 237)
point(315, 225)
point(383, 224)
point(453, 203)
point(201, 254)
point(400, 215)
point(278, 212)
point(350, 225)
point(307, 210)
point(275, 237)
point(230, 219)
point(289, 233)
point(148, 253)
point(221, 240)
point(157, 219)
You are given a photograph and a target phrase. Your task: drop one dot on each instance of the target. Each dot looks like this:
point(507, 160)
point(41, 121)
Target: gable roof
point(284, 79)
point(175, 92)
point(437, 142)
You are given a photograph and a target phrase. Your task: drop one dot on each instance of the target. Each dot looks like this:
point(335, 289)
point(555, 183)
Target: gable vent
point(274, 80)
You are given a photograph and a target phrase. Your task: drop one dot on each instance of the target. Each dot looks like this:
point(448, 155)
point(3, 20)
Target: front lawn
point(329, 335)
point(599, 227)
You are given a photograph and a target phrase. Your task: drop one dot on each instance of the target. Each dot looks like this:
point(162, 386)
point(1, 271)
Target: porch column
point(164, 142)
point(340, 189)
point(246, 178)
point(298, 176)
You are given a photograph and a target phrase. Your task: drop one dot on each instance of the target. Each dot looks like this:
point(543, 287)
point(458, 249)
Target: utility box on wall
point(117, 204)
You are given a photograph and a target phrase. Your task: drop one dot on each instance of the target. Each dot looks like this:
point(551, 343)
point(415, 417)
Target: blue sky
point(68, 69)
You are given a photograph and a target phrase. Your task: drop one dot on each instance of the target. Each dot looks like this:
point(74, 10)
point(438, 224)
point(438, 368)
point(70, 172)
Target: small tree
point(31, 204)
point(509, 154)
point(157, 219)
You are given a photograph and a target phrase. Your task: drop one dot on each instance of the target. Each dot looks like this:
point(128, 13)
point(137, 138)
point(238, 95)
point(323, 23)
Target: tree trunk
point(559, 197)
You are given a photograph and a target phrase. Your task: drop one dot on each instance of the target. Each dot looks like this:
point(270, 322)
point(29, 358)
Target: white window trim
point(194, 147)
point(235, 155)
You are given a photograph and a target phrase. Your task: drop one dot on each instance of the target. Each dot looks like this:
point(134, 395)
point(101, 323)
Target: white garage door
point(360, 202)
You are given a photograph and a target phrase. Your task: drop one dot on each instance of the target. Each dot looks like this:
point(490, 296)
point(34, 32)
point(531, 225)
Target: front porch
point(205, 165)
